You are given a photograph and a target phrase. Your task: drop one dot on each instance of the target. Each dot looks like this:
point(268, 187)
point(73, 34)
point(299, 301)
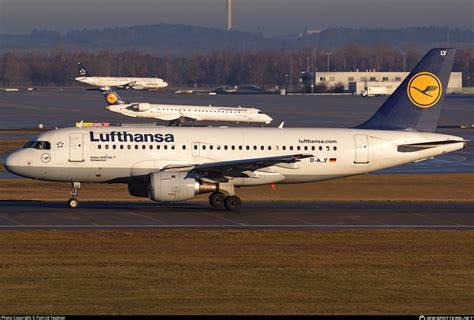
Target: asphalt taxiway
point(253, 215)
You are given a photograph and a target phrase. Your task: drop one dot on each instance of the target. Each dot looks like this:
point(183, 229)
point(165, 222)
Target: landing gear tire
point(217, 199)
point(72, 203)
point(232, 203)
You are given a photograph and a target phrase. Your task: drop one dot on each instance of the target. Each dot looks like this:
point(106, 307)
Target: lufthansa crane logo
point(45, 157)
point(111, 98)
point(424, 89)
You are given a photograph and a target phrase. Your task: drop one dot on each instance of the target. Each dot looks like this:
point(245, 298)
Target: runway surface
point(253, 215)
point(54, 107)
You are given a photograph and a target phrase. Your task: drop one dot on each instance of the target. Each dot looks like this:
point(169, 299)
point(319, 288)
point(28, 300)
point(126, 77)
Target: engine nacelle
point(141, 106)
point(138, 189)
point(176, 186)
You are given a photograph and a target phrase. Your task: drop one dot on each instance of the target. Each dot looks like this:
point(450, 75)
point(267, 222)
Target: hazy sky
point(271, 17)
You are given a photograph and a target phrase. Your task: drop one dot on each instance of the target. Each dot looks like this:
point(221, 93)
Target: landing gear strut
point(72, 203)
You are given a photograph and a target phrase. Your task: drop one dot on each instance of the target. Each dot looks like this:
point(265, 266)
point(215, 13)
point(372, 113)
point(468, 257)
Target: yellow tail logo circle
point(111, 98)
point(424, 89)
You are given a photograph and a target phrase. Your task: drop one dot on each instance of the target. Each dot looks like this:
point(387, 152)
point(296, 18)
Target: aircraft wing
point(235, 168)
point(174, 116)
point(127, 85)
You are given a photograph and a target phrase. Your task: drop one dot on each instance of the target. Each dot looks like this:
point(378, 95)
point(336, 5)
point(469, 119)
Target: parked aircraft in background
point(120, 82)
point(172, 164)
point(177, 114)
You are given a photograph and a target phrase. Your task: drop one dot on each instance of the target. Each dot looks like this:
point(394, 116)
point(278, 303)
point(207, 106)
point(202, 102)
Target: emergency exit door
point(76, 147)
point(361, 149)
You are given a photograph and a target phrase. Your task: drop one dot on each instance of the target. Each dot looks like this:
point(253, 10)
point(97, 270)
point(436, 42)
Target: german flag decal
point(332, 159)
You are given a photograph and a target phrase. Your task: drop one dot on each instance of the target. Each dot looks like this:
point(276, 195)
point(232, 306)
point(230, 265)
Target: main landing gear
point(220, 200)
point(73, 203)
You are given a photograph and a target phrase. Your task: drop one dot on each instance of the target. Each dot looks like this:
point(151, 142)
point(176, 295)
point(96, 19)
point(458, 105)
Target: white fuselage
point(121, 154)
point(170, 112)
point(133, 82)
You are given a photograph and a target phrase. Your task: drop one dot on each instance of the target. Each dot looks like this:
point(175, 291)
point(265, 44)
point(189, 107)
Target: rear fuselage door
point(361, 149)
point(76, 147)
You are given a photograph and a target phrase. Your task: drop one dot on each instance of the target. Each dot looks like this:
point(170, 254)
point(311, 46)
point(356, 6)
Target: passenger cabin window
point(40, 145)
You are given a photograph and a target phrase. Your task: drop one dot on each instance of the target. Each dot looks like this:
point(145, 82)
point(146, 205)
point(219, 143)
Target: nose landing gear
point(73, 203)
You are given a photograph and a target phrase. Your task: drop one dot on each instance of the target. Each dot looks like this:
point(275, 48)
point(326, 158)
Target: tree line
point(264, 68)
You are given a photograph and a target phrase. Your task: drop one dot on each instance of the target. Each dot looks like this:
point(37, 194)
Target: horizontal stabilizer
point(413, 147)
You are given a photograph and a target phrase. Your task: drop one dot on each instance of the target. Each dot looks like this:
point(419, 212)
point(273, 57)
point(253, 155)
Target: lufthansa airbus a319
point(177, 163)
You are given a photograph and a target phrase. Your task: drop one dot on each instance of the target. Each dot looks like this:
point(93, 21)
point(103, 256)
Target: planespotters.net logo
point(424, 89)
point(422, 317)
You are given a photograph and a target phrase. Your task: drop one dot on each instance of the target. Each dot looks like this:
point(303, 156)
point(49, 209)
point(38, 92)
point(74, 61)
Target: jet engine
point(141, 106)
point(138, 189)
point(176, 186)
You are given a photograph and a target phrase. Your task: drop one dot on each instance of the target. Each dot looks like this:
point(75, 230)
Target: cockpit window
point(40, 145)
point(29, 144)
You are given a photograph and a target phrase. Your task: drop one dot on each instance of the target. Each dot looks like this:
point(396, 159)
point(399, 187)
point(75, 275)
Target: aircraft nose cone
point(10, 162)
point(165, 84)
point(15, 163)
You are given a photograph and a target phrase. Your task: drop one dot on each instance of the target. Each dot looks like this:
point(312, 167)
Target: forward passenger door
point(76, 147)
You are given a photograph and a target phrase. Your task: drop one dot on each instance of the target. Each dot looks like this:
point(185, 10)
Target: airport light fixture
point(404, 61)
point(328, 54)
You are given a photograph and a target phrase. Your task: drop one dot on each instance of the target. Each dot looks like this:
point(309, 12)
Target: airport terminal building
point(357, 82)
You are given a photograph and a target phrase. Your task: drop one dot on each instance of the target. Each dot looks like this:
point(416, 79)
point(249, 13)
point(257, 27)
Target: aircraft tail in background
point(82, 70)
point(112, 98)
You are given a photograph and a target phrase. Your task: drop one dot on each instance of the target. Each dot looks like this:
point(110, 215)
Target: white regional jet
point(119, 82)
point(177, 163)
point(177, 114)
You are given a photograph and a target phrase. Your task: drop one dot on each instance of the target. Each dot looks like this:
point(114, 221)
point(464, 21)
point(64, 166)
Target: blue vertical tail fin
point(111, 97)
point(416, 103)
point(82, 70)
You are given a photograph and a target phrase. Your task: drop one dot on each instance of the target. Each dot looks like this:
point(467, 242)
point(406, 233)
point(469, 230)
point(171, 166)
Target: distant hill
point(186, 39)
point(337, 37)
point(167, 38)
